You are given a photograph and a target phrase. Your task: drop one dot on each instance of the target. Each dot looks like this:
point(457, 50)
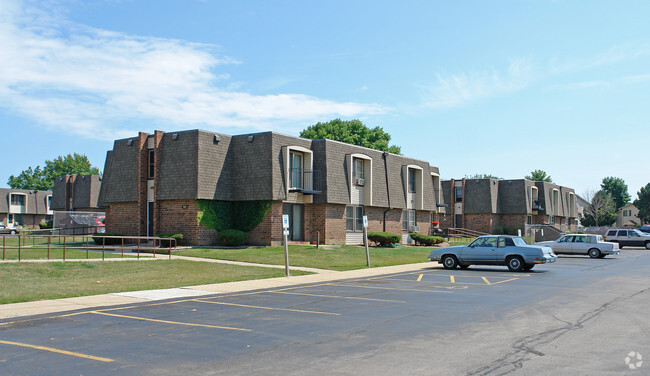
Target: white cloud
point(458, 89)
point(92, 82)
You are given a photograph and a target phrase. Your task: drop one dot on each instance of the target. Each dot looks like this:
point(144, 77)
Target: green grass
point(57, 254)
point(460, 241)
point(339, 258)
point(54, 280)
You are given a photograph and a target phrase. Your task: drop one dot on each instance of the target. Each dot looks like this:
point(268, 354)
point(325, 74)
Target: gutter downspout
point(385, 157)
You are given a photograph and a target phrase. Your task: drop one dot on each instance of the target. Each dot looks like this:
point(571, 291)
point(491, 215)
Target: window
point(529, 220)
point(295, 170)
point(150, 164)
point(506, 242)
point(459, 194)
point(411, 178)
point(354, 218)
point(18, 200)
point(358, 168)
point(622, 233)
point(627, 213)
point(16, 219)
point(408, 220)
point(49, 203)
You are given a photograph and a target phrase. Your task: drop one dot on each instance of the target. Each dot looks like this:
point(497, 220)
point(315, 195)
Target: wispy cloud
point(92, 82)
point(627, 80)
point(458, 89)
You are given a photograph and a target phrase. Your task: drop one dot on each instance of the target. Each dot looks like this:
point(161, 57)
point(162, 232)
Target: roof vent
point(129, 142)
point(216, 139)
point(175, 136)
point(250, 138)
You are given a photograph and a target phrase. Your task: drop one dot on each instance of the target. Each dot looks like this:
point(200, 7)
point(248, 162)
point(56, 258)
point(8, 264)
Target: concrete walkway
point(88, 302)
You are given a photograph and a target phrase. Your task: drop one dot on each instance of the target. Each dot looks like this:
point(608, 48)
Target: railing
point(50, 243)
point(458, 232)
point(304, 180)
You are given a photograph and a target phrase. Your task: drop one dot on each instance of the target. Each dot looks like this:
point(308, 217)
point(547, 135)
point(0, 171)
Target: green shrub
point(426, 239)
point(165, 243)
point(384, 239)
point(232, 238)
point(99, 239)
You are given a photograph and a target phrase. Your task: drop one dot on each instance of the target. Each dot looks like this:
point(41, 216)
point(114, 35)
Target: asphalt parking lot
point(358, 325)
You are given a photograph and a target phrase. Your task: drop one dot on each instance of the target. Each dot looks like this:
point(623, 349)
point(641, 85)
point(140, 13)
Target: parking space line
point(169, 322)
point(486, 280)
point(398, 289)
point(58, 351)
point(452, 279)
point(338, 297)
point(420, 277)
point(268, 308)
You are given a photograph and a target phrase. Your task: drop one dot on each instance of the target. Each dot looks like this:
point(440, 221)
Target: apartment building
point(488, 204)
point(24, 208)
point(156, 183)
point(77, 193)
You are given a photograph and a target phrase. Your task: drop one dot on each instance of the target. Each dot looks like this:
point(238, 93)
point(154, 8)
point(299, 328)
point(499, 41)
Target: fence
point(46, 244)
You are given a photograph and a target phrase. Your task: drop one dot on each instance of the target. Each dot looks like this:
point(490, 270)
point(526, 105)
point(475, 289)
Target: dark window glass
point(150, 164)
point(18, 200)
point(411, 174)
point(459, 194)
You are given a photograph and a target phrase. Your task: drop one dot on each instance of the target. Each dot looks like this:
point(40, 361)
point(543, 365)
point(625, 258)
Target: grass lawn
point(57, 254)
point(54, 280)
point(340, 258)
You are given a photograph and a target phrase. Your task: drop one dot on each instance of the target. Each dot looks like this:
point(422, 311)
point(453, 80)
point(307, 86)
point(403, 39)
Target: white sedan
point(583, 244)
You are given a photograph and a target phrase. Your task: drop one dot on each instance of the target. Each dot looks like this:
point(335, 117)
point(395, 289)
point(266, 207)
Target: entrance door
point(150, 219)
point(295, 212)
point(458, 220)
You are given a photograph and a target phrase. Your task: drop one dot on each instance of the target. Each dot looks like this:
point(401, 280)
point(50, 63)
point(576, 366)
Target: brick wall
point(269, 232)
point(513, 221)
point(481, 222)
point(123, 218)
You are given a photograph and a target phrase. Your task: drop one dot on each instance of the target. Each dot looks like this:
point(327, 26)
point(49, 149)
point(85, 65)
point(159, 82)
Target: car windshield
point(519, 241)
point(599, 238)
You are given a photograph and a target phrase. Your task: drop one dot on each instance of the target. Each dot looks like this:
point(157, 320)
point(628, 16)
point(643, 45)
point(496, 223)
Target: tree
point(44, 179)
point(352, 132)
point(601, 210)
point(617, 188)
point(482, 176)
point(643, 203)
point(32, 179)
point(539, 175)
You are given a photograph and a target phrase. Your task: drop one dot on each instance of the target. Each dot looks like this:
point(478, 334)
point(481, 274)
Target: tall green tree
point(44, 179)
point(352, 132)
point(617, 188)
point(539, 175)
point(643, 203)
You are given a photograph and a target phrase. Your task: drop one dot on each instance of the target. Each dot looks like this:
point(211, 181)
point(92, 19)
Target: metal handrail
point(137, 240)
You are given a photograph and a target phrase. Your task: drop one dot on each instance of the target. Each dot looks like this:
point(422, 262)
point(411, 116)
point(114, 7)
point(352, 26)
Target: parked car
point(645, 229)
point(512, 251)
point(628, 237)
point(5, 230)
point(582, 244)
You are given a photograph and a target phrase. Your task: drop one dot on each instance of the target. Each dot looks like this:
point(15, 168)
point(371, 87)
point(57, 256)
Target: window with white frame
point(411, 177)
point(458, 194)
point(354, 218)
point(17, 199)
point(150, 164)
point(358, 168)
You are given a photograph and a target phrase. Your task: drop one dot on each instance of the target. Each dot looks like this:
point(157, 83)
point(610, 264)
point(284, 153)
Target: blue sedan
point(512, 251)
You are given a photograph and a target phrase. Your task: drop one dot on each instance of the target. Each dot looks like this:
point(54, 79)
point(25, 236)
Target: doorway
point(295, 213)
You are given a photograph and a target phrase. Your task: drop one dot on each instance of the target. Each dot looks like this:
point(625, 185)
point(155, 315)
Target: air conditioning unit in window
point(414, 228)
point(359, 181)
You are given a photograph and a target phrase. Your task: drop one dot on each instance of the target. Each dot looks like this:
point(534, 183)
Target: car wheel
point(594, 253)
point(515, 264)
point(528, 267)
point(13, 232)
point(647, 245)
point(450, 262)
point(463, 266)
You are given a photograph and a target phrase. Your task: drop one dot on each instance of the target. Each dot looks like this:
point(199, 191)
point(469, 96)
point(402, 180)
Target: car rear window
point(611, 233)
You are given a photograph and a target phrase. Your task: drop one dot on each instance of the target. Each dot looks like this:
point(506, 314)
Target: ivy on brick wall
point(238, 215)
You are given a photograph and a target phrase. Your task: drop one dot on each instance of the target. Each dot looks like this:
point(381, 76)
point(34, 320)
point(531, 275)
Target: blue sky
point(495, 87)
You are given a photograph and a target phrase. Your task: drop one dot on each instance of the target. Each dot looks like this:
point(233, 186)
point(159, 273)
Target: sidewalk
point(88, 302)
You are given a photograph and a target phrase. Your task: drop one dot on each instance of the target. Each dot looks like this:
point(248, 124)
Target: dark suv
point(628, 237)
point(644, 229)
